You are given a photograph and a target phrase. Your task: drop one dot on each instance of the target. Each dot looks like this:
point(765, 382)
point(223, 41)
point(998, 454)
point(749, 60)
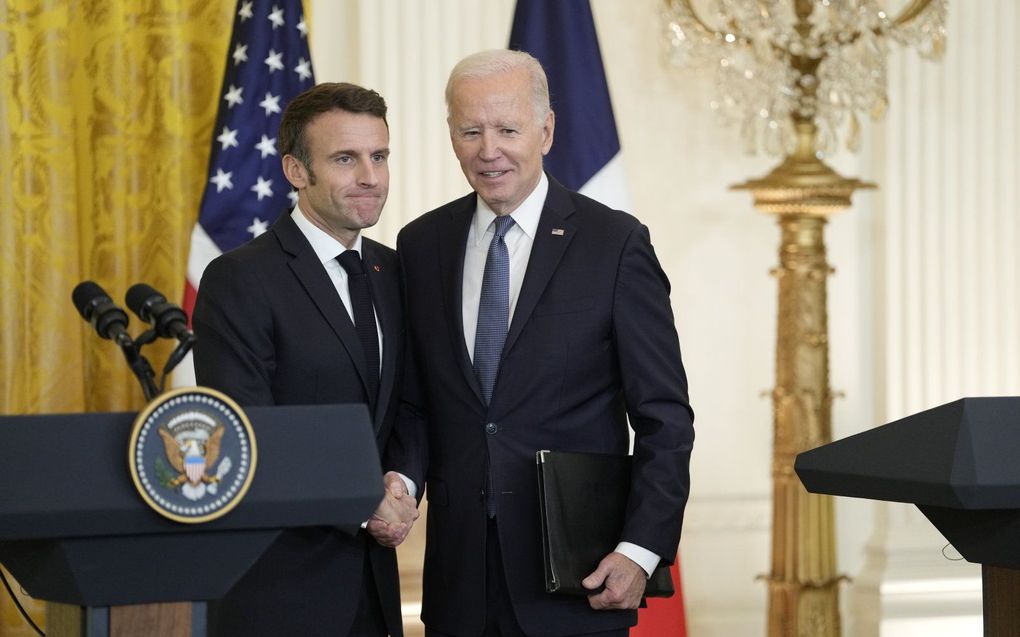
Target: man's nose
point(368, 174)
point(490, 147)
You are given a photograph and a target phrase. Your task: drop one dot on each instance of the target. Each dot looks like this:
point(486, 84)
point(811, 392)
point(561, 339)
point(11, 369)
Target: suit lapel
point(452, 246)
point(312, 276)
point(386, 299)
point(553, 236)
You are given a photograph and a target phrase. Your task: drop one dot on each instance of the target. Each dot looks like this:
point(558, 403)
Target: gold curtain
point(106, 116)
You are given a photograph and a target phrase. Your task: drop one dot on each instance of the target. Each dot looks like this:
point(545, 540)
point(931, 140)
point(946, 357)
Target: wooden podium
point(958, 464)
point(74, 531)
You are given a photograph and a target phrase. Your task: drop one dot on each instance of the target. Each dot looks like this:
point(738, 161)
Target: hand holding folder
point(583, 500)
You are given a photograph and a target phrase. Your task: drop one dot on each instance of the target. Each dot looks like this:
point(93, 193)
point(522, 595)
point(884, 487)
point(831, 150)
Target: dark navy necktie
point(364, 318)
point(493, 309)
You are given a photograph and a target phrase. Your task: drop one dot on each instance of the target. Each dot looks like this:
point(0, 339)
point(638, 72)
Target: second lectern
point(958, 464)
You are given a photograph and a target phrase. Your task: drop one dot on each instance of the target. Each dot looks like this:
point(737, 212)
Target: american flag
point(268, 63)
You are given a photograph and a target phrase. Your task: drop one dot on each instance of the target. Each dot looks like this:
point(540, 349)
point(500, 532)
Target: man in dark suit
point(310, 313)
point(538, 319)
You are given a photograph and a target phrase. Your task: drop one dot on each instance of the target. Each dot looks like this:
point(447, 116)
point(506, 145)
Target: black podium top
point(67, 475)
point(959, 455)
point(956, 462)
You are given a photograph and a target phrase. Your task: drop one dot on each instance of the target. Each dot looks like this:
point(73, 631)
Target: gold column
point(803, 584)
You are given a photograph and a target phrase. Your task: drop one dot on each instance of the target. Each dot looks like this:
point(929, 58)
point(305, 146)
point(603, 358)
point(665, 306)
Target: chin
point(492, 197)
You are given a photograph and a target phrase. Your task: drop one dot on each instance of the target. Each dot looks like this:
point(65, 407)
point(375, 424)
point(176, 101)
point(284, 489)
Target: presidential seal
point(192, 454)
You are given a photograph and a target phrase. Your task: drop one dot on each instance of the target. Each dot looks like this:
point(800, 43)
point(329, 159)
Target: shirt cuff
point(640, 555)
point(412, 488)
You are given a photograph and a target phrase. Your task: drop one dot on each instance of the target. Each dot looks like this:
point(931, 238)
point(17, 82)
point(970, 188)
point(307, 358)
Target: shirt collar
point(326, 248)
point(526, 216)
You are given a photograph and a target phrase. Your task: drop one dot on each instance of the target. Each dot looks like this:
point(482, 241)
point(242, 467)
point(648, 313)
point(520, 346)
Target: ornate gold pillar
point(803, 583)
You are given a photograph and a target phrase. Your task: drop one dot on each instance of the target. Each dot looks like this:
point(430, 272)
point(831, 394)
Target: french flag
point(268, 63)
point(585, 157)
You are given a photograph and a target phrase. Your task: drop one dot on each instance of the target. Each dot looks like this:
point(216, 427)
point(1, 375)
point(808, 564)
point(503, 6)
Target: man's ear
point(295, 171)
point(547, 131)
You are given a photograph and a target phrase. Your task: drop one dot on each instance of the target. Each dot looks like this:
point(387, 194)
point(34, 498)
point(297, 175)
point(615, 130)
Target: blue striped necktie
point(493, 309)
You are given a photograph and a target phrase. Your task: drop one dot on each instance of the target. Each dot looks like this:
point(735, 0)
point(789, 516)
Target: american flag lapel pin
point(377, 268)
point(558, 232)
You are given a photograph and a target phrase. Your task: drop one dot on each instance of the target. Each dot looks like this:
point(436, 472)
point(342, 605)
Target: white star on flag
point(257, 227)
point(264, 188)
point(233, 96)
point(293, 196)
point(222, 180)
point(227, 138)
point(274, 61)
point(267, 146)
point(302, 27)
point(276, 17)
point(240, 53)
point(271, 103)
point(245, 11)
point(303, 69)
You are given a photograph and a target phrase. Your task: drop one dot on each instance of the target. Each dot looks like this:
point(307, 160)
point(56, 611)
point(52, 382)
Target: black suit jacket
point(591, 343)
point(272, 331)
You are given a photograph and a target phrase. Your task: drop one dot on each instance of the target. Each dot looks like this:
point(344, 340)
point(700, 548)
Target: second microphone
point(166, 318)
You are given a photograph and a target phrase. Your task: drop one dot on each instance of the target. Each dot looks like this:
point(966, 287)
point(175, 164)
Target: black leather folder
point(583, 500)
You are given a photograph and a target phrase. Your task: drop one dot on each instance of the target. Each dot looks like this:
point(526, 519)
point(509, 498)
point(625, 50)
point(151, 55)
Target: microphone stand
point(139, 365)
point(183, 347)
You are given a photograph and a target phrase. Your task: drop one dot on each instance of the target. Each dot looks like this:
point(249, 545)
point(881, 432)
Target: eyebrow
point(339, 153)
point(499, 124)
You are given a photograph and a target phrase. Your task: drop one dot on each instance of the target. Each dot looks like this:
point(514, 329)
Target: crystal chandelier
point(780, 62)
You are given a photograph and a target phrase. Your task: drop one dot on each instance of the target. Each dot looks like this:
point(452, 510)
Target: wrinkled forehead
point(491, 98)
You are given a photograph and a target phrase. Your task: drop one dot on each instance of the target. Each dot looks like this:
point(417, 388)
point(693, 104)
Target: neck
point(346, 236)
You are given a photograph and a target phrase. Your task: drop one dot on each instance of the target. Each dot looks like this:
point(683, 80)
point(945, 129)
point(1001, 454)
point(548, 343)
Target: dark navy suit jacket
point(591, 344)
point(273, 331)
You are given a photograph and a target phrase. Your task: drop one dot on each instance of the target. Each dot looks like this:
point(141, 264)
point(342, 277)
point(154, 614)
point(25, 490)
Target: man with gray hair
point(538, 319)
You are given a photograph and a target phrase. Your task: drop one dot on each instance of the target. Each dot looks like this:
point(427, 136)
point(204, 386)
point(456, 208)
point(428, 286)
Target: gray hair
point(496, 62)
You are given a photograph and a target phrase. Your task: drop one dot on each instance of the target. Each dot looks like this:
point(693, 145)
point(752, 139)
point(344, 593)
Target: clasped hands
point(397, 511)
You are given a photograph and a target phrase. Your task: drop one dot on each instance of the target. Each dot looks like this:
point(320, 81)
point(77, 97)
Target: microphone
point(167, 319)
point(96, 307)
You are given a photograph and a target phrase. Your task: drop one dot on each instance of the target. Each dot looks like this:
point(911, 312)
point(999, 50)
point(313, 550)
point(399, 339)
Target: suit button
point(491, 428)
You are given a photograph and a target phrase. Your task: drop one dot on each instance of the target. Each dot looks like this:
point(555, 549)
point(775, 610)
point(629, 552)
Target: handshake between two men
point(395, 516)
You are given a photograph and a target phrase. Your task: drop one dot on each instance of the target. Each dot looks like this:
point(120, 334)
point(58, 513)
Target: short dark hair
point(323, 98)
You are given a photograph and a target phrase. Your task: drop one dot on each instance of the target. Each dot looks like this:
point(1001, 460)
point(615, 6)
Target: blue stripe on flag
point(561, 34)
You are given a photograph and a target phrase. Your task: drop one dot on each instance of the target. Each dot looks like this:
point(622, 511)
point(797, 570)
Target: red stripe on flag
point(663, 617)
point(190, 293)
